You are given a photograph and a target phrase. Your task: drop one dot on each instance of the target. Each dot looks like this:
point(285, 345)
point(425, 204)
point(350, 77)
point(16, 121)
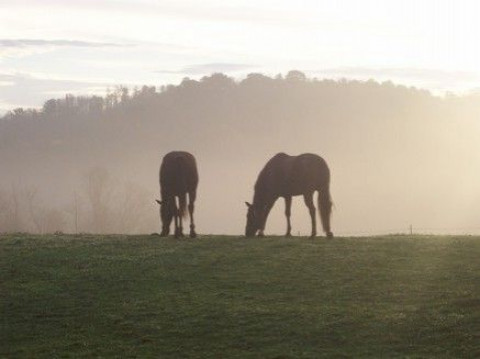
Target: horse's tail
point(325, 206)
point(182, 210)
point(182, 177)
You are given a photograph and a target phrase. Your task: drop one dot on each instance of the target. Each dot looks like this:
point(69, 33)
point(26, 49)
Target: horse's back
point(310, 165)
point(178, 155)
point(294, 175)
point(310, 171)
point(178, 172)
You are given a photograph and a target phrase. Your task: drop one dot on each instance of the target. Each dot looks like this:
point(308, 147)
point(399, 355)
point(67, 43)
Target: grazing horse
point(178, 176)
point(286, 176)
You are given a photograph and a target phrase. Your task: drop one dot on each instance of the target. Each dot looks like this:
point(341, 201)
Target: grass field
point(228, 297)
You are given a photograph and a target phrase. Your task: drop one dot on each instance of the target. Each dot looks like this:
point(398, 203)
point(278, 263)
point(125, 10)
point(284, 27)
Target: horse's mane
point(262, 184)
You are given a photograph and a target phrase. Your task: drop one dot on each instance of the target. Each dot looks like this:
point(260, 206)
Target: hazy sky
point(51, 47)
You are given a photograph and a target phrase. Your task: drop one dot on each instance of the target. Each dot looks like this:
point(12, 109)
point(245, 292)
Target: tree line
point(367, 130)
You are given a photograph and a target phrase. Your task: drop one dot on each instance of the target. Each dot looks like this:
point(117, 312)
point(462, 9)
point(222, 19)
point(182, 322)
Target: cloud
point(430, 75)
point(439, 81)
point(204, 69)
point(23, 43)
point(190, 10)
point(26, 47)
point(25, 90)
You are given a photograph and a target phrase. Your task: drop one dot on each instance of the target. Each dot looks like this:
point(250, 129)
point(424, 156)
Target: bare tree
point(131, 209)
point(6, 213)
point(99, 194)
point(15, 220)
point(35, 213)
point(53, 220)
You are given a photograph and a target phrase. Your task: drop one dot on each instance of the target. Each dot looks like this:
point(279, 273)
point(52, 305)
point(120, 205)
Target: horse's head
point(254, 216)
point(166, 216)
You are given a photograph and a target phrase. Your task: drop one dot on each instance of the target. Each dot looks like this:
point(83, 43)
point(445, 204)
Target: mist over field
point(398, 156)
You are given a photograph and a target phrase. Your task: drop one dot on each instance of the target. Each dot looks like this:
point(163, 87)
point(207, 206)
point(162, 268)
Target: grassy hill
point(143, 296)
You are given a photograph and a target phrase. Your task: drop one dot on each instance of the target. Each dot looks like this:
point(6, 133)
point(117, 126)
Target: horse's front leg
point(264, 217)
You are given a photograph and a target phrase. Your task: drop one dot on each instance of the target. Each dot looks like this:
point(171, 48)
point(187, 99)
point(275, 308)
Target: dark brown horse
point(178, 177)
point(286, 176)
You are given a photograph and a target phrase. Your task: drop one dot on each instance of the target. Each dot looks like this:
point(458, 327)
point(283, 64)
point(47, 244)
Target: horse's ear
point(248, 204)
point(159, 202)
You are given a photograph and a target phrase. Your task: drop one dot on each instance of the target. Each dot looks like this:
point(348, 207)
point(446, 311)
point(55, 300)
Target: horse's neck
point(263, 198)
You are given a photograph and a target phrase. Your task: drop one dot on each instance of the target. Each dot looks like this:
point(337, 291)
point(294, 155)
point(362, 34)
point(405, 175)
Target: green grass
point(228, 297)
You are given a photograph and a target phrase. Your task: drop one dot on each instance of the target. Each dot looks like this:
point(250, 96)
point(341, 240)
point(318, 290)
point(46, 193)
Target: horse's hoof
point(288, 235)
point(193, 235)
point(329, 235)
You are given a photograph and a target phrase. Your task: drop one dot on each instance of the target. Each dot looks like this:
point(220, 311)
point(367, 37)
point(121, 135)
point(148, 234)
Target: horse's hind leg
point(178, 222)
point(191, 206)
point(288, 212)
point(176, 233)
point(311, 208)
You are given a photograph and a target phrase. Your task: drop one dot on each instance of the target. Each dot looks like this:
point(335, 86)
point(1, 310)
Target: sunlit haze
point(51, 47)
point(386, 91)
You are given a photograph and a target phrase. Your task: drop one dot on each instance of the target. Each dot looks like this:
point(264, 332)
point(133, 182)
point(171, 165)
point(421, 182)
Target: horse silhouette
point(287, 176)
point(178, 177)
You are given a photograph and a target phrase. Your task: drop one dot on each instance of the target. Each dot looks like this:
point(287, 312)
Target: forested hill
point(217, 107)
point(398, 155)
